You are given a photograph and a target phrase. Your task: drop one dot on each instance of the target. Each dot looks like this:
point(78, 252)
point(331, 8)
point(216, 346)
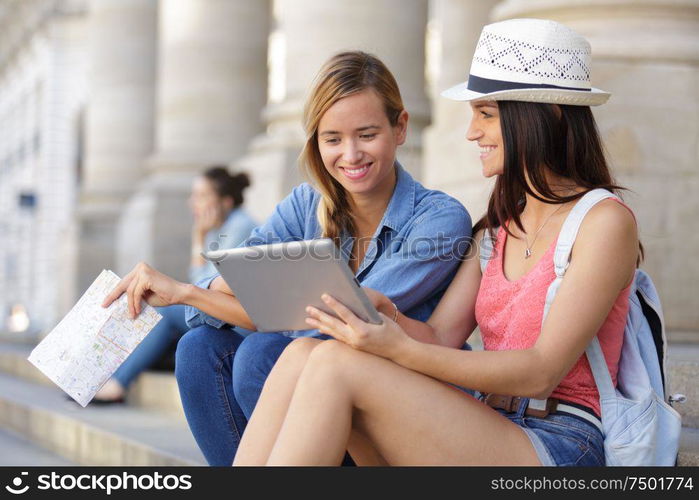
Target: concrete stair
point(683, 378)
point(151, 430)
point(152, 390)
point(19, 451)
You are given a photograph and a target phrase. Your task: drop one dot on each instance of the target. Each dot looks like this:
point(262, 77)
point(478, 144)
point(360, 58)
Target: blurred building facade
point(109, 108)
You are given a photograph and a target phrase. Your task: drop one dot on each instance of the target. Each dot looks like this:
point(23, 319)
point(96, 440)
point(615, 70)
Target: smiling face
point(358, 144)
point(485, 129)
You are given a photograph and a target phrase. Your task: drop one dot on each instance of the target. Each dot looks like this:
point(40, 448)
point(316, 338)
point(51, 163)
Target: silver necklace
point(528, 249)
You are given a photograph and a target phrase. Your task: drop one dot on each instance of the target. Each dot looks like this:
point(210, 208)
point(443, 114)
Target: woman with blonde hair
point(390, 399)
point(398, 237)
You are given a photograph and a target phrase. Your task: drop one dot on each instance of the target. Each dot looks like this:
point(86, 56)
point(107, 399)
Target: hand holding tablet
point(275, 283)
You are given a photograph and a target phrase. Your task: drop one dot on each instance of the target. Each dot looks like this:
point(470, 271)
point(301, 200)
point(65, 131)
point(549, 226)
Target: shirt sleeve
point(289, 220)
point(422, 262)
point(287, 223)
point(194, 317)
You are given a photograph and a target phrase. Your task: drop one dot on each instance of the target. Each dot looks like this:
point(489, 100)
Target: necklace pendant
point(527, 253)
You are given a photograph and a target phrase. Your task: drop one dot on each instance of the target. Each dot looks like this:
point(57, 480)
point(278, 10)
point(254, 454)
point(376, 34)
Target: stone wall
point(162, 89)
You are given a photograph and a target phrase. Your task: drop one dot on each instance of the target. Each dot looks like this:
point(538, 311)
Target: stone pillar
point(211, 90)
point(119, 123)
point(451, 162)
point(307, 33)
point(646, 53)
point(42, 94)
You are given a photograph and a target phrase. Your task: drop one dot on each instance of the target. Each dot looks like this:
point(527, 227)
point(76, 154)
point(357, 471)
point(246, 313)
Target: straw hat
point(532, 60)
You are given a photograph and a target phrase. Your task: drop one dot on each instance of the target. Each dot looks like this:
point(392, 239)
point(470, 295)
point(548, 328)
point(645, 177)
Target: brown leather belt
point(511, 403)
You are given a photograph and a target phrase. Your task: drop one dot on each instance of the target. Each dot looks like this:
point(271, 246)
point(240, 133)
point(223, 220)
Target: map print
point(83, 351)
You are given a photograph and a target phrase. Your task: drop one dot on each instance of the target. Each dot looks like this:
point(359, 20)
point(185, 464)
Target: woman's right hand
point(146, 283)
point(385, 339)
point(207, 219)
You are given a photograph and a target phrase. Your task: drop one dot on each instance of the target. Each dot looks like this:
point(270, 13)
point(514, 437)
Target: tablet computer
point(275, 283)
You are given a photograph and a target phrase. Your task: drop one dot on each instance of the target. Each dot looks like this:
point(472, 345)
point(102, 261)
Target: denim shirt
point(411, 258)
point(231, 234)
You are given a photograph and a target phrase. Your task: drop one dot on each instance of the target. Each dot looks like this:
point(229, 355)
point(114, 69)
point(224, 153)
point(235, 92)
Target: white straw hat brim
point(593, 97)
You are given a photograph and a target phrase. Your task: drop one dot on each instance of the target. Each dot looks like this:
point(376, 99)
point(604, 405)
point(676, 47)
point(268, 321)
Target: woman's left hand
point(383, 340)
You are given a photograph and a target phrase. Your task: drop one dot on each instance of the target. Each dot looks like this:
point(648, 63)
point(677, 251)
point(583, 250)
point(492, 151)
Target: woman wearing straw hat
point(390, 399)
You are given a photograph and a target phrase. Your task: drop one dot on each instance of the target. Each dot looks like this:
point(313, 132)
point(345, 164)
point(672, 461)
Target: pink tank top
point(509, 316)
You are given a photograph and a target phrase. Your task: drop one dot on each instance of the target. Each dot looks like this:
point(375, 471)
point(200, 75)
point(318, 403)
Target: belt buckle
point(541, 407)
point(501, 402)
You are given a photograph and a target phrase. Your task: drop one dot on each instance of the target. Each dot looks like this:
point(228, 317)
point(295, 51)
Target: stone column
point(646, 53)
point(451, 162)
point(119, 122)
point(211, 90)
point(307, 33)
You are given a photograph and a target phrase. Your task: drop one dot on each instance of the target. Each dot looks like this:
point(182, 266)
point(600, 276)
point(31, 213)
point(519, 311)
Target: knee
point(257, 355)
point(202, 345)
point(257, 343)
point(192, 343)
point(330, 356)
point(299, 350)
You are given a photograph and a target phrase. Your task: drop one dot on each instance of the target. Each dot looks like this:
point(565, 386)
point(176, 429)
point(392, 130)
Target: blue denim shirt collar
point(400, 209)
point(402, 204)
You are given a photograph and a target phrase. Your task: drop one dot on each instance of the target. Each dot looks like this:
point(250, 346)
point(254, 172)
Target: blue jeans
point(257, 355)
point(205, 372)
point(561, 439)
point(154, 345)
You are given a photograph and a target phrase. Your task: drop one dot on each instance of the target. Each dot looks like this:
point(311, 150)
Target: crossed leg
point(409, 418)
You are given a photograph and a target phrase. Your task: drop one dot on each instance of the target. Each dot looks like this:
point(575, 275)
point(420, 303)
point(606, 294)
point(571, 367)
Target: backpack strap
point(561, 261)
point(571, 226)
point(600, 370)
point(566, 239)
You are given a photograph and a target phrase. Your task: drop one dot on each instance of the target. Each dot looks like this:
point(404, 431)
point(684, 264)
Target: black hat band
point(488, 86)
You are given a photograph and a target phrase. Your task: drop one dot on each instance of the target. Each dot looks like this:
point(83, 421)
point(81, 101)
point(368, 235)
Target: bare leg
point(265, 422)
point(408, 417)
point(363, 451)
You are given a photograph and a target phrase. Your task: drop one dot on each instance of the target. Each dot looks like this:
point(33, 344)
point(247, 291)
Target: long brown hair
point(537, 137)
point(344, 74)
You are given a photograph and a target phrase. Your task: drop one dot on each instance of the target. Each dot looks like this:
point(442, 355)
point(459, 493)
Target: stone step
point(151, 390)
point(158, 391)
point(28, 337)
point(682, 377)
point(113, 435)
point(18, 451)
point(689, 448)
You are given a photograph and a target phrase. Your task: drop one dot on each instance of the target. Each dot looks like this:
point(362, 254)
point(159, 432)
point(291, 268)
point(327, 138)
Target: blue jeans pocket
point(570, 441)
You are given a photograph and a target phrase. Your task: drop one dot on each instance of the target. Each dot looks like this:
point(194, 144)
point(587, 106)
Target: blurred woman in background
point(220, 221)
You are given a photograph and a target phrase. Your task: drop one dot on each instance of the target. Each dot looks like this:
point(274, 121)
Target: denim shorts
point(561, 439)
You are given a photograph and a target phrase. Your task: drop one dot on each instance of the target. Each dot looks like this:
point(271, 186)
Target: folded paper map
point(90, 343)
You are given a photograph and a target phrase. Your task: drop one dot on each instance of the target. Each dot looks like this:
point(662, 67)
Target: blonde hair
point(344, 74)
